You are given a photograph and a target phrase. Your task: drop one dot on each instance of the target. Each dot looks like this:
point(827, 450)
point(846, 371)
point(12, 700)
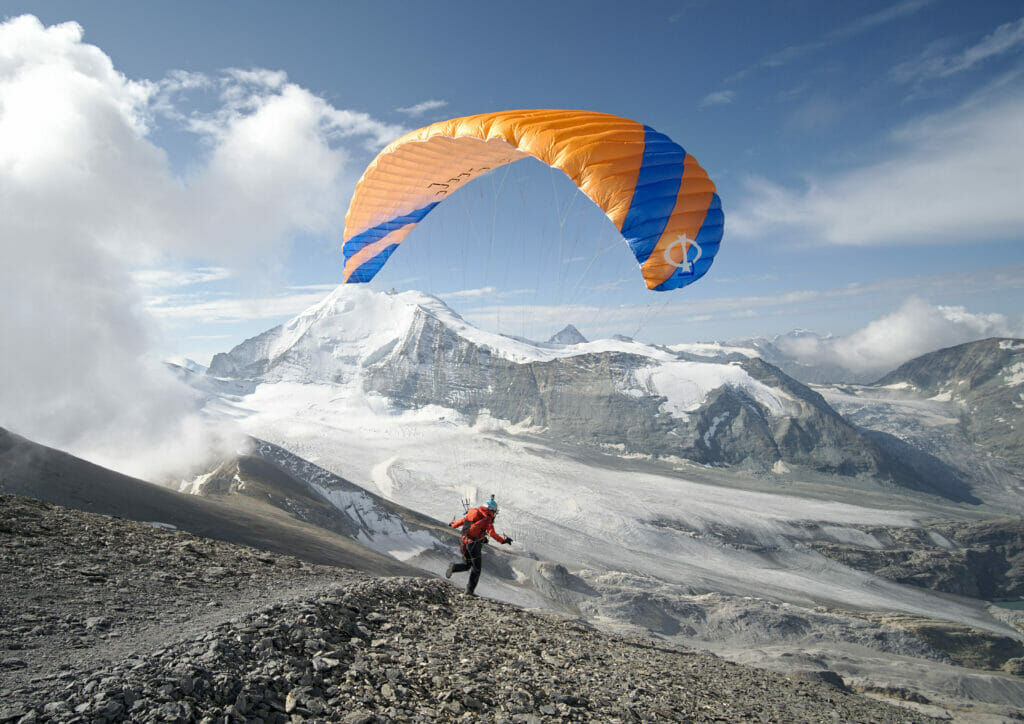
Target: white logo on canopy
point(685, 264)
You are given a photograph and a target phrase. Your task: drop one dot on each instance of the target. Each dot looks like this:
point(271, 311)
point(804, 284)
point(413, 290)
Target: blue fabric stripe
point(370, 267)
point(661, 173)
point(709, 238)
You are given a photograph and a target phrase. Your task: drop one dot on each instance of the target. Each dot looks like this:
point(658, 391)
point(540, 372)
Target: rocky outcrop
point(289, 642)
point(979, 559)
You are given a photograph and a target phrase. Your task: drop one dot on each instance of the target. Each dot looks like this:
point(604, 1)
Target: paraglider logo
point(686, 243)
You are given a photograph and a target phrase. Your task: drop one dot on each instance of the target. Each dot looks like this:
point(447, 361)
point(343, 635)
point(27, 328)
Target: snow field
point(583, 515)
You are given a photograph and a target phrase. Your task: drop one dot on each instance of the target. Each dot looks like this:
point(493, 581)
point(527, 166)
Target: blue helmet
point(492, 504)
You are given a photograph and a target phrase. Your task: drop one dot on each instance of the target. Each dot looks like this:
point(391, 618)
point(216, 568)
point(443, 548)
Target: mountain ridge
point(60, 478)
point(974, 390)
point(649, 400)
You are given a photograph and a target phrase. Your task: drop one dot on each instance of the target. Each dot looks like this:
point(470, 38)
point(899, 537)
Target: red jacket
point(481, 522)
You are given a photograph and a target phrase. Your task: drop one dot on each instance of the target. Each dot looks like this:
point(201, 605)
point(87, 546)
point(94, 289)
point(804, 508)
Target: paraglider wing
point(654, 192)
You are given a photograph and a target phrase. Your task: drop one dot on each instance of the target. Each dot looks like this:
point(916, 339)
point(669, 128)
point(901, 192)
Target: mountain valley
point(700, 498)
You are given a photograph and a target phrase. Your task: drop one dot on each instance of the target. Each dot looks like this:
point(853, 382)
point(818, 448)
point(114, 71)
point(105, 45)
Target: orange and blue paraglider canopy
point(655, 193)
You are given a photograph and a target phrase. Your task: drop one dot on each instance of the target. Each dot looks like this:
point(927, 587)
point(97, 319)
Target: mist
point(89, 199)
point(915, 328)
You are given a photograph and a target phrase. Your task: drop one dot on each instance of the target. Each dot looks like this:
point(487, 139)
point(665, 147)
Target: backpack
point(474, 516)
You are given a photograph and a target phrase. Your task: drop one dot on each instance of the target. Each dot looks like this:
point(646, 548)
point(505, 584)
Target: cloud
point(277, 165)
point(462, 294)
point(933, 63)
point(873, 20)
point(816, 112)
point(948, 179)
point(486, 292)
point(675, 319)
point(718, 98)
point(207, 308)
point(852, 29)
point(166, 278)
point(88, 196)
point(914, 329)
point(420, 108)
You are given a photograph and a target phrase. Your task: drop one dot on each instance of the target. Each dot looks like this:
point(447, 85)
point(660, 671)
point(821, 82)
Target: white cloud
point(675, 319)
point(933, 63)
point(463, 293)
point(166, 278)
point(949, 179)
point(854, 28)
point(914, 329)
point(718, 98)
point(1007, 37)
point(209, 308)
point(88, 195)
point(420, 108)
point(873, 20)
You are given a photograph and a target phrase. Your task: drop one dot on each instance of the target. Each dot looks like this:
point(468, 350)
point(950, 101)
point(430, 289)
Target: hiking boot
point(448, 573)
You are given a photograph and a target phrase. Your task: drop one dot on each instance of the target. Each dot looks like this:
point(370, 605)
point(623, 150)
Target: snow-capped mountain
point(779, 351)
point(987, 379)
point(568, 335)
point(274, 476)
point(963, 405)
point(33, 470)
point(618, 395)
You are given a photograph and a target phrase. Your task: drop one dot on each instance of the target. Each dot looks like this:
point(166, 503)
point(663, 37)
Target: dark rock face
point(575, 398)
point(293, 642)
point(967, 366)
point(273, 476)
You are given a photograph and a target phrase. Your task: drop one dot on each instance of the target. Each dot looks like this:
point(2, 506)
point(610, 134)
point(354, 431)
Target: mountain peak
point(568, 335)
point(333, 338)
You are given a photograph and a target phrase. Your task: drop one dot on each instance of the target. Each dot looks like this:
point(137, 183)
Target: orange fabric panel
point(601, 153)
point(419, 172)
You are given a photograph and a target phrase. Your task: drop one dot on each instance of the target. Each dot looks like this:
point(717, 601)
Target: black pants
point(472, 556)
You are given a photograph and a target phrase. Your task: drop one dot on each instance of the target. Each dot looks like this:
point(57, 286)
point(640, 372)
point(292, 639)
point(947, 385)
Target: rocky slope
point(27, 468)
point(111, 620)
point(271, 476)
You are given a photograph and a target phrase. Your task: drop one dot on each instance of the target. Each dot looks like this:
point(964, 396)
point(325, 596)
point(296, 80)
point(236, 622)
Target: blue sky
point(178, 173)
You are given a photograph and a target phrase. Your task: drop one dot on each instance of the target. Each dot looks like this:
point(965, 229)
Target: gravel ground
point(103, 619)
